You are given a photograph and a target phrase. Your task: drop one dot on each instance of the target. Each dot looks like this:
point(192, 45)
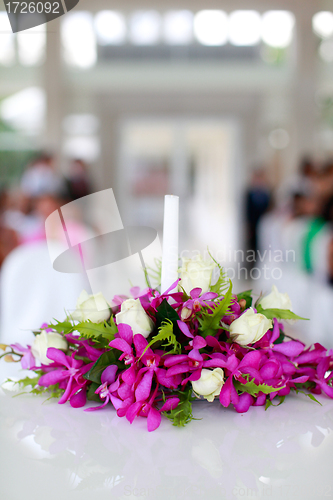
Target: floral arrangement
point(154, 354)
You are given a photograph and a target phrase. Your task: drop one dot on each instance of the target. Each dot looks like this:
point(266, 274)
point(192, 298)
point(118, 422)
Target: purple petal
point(162, 378)
point(94, 408)
point(225, 394)
point(140, 345)
point(175, 370)
point(276, 332)
point(193, 377)
point(260, 401)
point(153, 420)
point(199, 342)
point(67, 392)
point(175, 360)
point(327, 390)
point(184, 328)
point(133, 411)
point(291, 348)
point(300, 380)
point(232, 363)
point(172, 287)
point(117, 403)
point(79, 399)
point(109, 374)
point(195, 355)
point(170, 404)
point(214, 363)
point(126, 332)
point(28, 361)
point(269, 370)
point(121, 345)
point(143, 390)
point(195, 293)
point(245, 401)
point(129, 375)
point(125, 391)
point(322, 367)
point(209, 296)
point(53, 378)
point(252, 359)
point(59, 357)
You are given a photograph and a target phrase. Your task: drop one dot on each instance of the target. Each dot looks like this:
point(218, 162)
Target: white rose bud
point(249, 327)
point(45, 340)
point(276, 300)
point(133, 314)
point(196, 273)
point(91, 308)
point(209, 384)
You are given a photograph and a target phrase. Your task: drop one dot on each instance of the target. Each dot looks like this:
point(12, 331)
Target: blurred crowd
point(297, 217)
point(42, 190)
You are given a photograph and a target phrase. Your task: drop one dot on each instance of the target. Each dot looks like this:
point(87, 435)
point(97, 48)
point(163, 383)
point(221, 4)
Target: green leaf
point(106, 359)
point(166, 333)
point(311, 396)
point(270, 402)
point(64, 327)
point(278, 313)
point(181, 415)
point(26, 381)
point(165, 312)
point(247, 296)
point(154, 274)
point(91, 396)
point(96, 331)
point(210, 322)
point(253, 389)
point(53, 390)
point(222, 282)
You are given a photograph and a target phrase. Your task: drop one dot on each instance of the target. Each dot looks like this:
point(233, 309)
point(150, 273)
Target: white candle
point(170, 242)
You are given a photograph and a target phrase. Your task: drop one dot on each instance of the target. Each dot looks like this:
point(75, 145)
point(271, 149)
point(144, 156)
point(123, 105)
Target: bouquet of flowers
point(153, 354)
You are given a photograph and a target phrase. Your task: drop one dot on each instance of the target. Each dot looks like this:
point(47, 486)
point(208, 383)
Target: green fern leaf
point(165, 333)
point(210, 322)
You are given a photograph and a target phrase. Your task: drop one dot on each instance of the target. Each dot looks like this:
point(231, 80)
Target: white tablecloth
point(54, 452)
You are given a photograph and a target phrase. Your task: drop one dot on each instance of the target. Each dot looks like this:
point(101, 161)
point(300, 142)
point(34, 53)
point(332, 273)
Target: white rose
point(133, 314)
point(45, 340)
point(249, 327)
point(209, 384)
point(196, 273)
point(276, 300)
point(91, 308)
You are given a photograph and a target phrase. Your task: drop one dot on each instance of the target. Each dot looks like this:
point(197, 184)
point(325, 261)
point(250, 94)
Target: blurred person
point(78, 182)
point(17, 214)
point(41, 178)
point(8, 236)
point(258, 200)
point(324, 184)
point(303, 182)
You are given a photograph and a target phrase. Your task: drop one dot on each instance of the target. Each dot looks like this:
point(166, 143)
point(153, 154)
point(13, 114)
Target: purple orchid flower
point(196, 302)
point(71, 378)
point(28, 361)
point(236, 369)
point(108, 379)
point(323, 378)
point(86, 348)
point(146, 409)
point(291, 348)
point(45, 327)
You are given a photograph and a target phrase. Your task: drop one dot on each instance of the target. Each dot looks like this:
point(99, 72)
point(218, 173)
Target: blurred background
point(228, 105)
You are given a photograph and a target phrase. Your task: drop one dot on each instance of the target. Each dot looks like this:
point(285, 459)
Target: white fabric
point(32, 292)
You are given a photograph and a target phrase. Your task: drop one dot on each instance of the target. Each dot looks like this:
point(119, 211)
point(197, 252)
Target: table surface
point(51, 451)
